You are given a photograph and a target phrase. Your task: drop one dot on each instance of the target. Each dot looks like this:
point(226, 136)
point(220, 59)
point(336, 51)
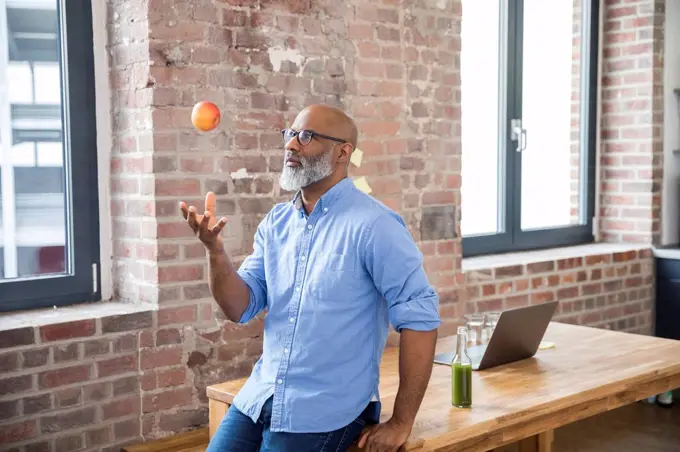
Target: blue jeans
point(238, 433)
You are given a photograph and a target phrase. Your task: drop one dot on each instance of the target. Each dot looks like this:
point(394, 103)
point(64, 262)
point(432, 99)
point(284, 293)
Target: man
point(332, 267)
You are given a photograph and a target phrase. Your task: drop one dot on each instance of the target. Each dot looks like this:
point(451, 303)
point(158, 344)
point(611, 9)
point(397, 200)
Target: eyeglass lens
point(304, 136)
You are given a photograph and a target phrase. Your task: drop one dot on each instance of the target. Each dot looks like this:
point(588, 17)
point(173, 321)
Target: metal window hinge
point(94, 278)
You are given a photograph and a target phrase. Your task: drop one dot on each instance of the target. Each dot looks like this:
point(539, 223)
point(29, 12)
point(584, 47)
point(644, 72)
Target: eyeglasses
point(304, 136)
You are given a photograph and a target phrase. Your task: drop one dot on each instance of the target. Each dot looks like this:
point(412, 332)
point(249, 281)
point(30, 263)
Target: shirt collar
point(329, 198)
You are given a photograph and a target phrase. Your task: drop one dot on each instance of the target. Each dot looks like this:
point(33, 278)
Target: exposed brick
point(69, 443)
point(166, 400)
point(9, 409)
point(70, 352)
point(127, 429)
point(490, 305)
point(197, 292)
point(569, 292)
point(67, 420)
point(96, 391)
point(540, 267)
point(17, 337)
point(98, 436)
point(65, 376)
point(172, 422)
point(21, 431)
point(564, 264)
point(15, 385)
point(126, 322)
point(148, 382)
point(180, 315)
point(160, 357)
point(125, 343)
point(438, 223)
point(96, 347)
point(9, 362)
point(506, 272)
point(40, 446)
point(169, 378)
point(68, 397)
point(168, 337)
point(181, 273)
point(37, 404)
point(70, 330)
point(120, 408)
point(117, 366)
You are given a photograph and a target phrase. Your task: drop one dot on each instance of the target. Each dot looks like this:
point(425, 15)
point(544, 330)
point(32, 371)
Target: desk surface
point(589, 371)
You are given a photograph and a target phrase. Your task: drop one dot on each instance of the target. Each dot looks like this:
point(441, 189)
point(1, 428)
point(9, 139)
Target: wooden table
point(515, 407)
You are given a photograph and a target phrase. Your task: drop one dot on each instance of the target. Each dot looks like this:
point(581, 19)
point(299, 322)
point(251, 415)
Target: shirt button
point(325, 209)
point(285, 350)
point(280, 381)
point(291, 320)
point(303, 257)
point(297, 289)
point(309, 226)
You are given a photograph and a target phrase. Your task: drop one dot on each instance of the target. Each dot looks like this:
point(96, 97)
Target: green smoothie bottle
point(461, 373)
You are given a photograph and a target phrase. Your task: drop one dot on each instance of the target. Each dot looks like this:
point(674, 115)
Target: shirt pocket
point(340, 263)
point(335, 279)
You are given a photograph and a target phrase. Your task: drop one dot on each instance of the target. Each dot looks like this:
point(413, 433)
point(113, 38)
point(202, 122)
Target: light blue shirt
point(331, 282)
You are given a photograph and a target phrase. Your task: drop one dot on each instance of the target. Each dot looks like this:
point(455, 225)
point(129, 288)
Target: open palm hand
point(206, 227)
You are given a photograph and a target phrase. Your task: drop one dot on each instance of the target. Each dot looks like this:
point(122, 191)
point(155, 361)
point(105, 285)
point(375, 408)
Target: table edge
point(611, 390)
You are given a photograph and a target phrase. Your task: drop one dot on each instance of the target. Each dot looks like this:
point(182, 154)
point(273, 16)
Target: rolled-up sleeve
point(396, 265)
point(252, 272)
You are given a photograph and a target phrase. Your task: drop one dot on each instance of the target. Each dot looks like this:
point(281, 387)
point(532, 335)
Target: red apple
point(205, 116)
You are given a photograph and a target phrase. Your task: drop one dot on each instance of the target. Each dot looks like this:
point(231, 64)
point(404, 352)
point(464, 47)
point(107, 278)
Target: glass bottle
point(461, 373)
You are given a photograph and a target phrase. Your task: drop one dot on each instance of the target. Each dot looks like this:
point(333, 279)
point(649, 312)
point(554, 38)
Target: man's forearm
point(230, 292)
point(416, 352)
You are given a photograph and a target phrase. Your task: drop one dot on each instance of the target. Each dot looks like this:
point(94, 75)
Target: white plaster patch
point(240, 174)
point(278, 55)
point(441, 4)
point(174, 55)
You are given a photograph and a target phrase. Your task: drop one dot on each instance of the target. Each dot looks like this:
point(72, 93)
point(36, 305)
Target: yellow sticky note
point(362, 185)
point(545, 344)
point(356, 157)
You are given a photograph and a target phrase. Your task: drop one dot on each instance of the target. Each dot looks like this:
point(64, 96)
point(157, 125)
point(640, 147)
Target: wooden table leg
point(217, 411)
point(545, 441)
point(537, 443)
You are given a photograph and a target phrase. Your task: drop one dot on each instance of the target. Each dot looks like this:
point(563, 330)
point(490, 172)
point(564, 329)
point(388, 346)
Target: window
point(49, 239)
point(528, 87)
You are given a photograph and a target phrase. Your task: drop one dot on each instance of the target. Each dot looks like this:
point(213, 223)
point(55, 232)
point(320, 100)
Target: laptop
point(517, 336)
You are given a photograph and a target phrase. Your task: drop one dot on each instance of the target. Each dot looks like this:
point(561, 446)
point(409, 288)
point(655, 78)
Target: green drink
point(461, 385)
point(461, 373)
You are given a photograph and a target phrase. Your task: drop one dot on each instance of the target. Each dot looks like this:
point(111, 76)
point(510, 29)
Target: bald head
point(331, 121)
point(321, 158)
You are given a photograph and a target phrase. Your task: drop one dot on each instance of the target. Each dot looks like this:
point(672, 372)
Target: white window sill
point(48, 316)
point(551, 254)
point(667, 253)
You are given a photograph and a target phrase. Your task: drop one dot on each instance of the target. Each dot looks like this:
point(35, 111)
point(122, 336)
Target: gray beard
point(311, 170)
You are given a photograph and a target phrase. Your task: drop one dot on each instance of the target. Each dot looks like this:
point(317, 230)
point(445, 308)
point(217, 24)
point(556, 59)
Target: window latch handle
point(518, 134)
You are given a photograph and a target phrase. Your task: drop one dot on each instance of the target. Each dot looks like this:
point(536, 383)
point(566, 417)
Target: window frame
point(512, 238)
point(82, 280)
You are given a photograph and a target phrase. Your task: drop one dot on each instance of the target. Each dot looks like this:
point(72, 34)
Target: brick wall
point(632, 122)
point(132, 182)
point(611, 290)
point(101, 383)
